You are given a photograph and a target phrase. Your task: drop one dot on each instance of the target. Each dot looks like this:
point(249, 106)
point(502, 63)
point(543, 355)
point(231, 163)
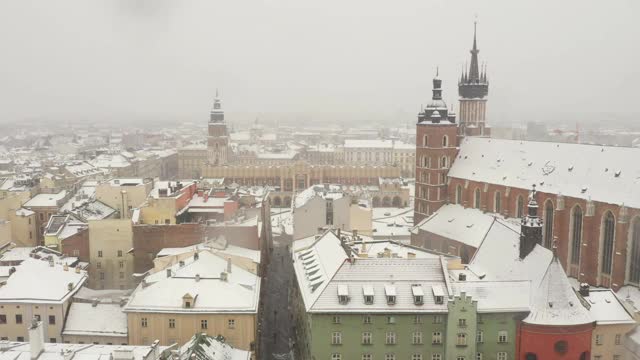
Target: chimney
point(36, 338)
point(196, 256)
point(411, 255)
point(530, 227)
point(181, 263)
point(339, 233)
point(65, 267)
point(584, 289)
point(162, 192)
point(197, 277)
point(206, 196)
point(51, 262)
point(223, 276)
point(78, 269)
point(94, 302)
point(12, 270)
point(355, 234)
point(229, 265)
point(168, 273)
point(462, 277)
point(70, 286)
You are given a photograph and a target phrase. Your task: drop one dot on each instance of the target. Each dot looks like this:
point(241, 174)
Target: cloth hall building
point(589, 195)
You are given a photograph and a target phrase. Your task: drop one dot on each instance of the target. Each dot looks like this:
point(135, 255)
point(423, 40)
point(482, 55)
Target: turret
point(530, 227)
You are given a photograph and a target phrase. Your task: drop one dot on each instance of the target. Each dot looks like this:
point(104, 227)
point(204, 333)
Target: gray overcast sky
point(163, 59)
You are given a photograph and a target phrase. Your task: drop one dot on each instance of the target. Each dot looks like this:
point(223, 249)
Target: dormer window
point(367, 291)
point(418, 294)
point(343, 294)
point(390, 292)
point(438, 294)
point(187, 301)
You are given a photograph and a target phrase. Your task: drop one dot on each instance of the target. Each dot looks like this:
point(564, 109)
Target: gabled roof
point(103, 319)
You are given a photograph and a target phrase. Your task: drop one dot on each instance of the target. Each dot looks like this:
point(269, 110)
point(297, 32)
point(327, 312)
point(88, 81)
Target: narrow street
point(276, 320)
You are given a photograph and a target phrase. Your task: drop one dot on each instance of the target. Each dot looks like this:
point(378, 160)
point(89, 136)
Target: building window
point(462, 322)
point(52, 319)
point(366, 319)
point(336, 356)
point(416, 357)
point(634, 267)
point(3, 319)
point(98, 265)
point(476, 199)
point(204, 324)
point(121, 264)
point(389, 356)
point(599, 339)
point(502, 355)
point(417, 319)
point(548, 224)
point(231, 323)
point(520, 207)
point(576, 235)
point(460, 357)
point(53, 340)
point(437, 319)
point(497, 203)
point(459, 195)
point(608, 238)
point(20, 339)
point(618, 339)
point(101, 276)
point(417, 338)
point(461, 339)
point(425, 141)
point(367, 357)
point(76, 252)
point(336, 338)
point(444, 163)
point(445, 141)
point(436, 337)
point(366, 338)
point(390, 338)
point(436, 356)
point(18, 318)
point(119, 253)
point(99, 253)
point(143, 322)
point(479, 356)
point(502, 337)
point(480, 336)
point(337, 320)
point(121, 275)
point(391, 319)
point(172, 323)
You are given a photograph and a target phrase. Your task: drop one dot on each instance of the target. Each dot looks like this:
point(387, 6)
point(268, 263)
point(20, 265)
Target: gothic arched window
point(476, 199)
point(425, 141)
point(608, 237)
point(576, 234)
point(445, 141)
point(520, 207)
point(497, 203)
point(548, 224)
point(459, 194)
point(443, 162)
point(634, 267)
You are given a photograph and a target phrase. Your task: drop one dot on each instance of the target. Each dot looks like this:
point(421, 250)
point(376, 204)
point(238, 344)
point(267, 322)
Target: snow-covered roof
point(324, 191)
point(214, 350)
point(103, 319)
point(374, 143)
point(46, 200)
point(59, 351)
point(496, 296)
point(498, 257)
point(324, 267)
point(382, 248)
point(465, 225)
point(601, 173)
point(35, 281)
point(555, 302)
point(203, 280)
point(606, 308)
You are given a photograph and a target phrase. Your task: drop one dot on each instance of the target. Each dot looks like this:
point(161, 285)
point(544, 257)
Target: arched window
point(530, 356)
point(520, 207)
point(459, 194)
point(608, 237)
point(476, 199)
point(443, 162)
point(497, 203)
point(445, 141)
point(576, 234)
point(548, 224)
point(634, 267)
point(425, 141)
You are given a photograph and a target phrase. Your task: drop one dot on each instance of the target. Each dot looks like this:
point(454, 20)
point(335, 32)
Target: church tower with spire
point(473, 89)
point(436, 148)
point(218, 139)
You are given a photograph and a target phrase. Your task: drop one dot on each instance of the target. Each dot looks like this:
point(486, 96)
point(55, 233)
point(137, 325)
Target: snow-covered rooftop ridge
point(59, 351)
point(99, 319)
point(606, 308)
point(601, 173)
point(39, 281)
point(46, 200)
point(325, 191)
point(466, 225)
point(203, 276)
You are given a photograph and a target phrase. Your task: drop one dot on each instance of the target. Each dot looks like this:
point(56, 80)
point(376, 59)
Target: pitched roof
point(101, 320)
point(601, 173)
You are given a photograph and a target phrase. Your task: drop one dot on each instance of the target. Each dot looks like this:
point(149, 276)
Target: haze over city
point(345, 61)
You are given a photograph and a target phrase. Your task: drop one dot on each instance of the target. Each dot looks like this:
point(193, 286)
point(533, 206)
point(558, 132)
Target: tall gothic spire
point(474, 72)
